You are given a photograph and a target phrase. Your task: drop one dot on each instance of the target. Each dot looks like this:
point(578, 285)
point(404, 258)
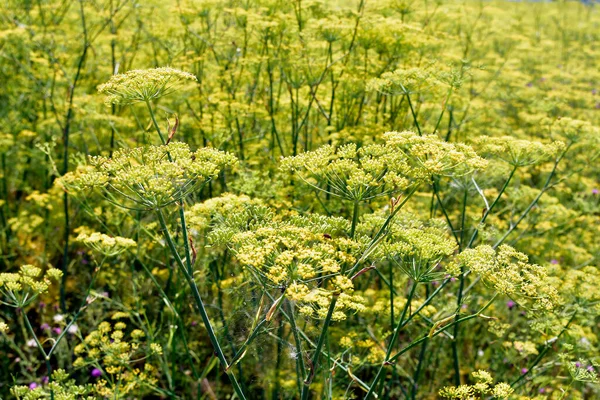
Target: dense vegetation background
point(364, 264)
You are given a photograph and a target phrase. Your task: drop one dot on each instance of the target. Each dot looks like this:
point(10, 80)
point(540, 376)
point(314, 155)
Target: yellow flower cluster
point(107, 348)
point(200, 215)
point(297, 256)
point(403, 81)
point(580, 286)
point(21, 288)
point(108, 246)
point(142, 85)
point(483, 388)
point(59, 388)
point(508, 272)
point(406, 159)
point(151, 176)
point(431, 155)
point(518, 152)
point(575, 130)
point(417, 251)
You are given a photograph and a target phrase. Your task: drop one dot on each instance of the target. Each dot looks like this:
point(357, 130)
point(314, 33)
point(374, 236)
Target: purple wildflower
point(510, 304)
point(33, 385)
point(96, 373)
point(524, 371)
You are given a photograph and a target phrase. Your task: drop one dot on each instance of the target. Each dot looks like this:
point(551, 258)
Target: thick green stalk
point(315, 360)
point(162, 138)
point(354, 218)
point(414, 114)
point(200, 305)
point(459, 297)
point(299, 354)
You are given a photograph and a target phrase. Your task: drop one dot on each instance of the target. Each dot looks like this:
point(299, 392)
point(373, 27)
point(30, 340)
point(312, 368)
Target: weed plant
point(305, 199)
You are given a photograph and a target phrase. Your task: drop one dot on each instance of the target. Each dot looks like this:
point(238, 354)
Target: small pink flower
point(57, 330)
point(524, 371)
point(33, 385)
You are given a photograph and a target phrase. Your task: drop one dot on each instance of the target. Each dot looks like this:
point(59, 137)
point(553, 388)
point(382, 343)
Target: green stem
point(564, 393)
point(39, 346)
point(392, 341)
point(544, 351)
point(315, 360)
point(354, 218)
point(491, 207)
point(162, 138)
point(414, 114)
point(533, 203)
point(299, 355)
point(436, 333)
point(200, 305)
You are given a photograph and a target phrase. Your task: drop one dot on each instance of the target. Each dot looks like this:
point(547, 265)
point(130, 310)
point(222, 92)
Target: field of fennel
point(299, 199)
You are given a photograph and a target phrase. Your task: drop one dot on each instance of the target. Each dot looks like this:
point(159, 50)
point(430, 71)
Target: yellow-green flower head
point(406, 159)
point(418, 251)
point(59, 388)
point(200, 215)
point(120, 356)
point(580, 372)
point(403, 81)
point(520, 153)
point(296, 255)
point(106, 245)
point(151, 176)
point(143, 85)
point(429, 155)
point(508, 272)
point(575, 130)
point(481, 389)
point(21, 288)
